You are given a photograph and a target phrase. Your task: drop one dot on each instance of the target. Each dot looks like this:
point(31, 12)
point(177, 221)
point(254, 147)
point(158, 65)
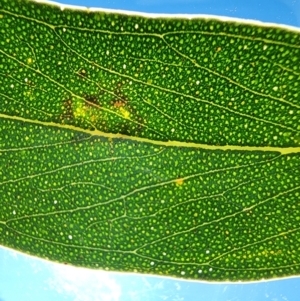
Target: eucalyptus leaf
point(151, 144)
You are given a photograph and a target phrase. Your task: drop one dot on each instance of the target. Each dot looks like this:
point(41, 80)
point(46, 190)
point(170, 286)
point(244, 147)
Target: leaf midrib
point(179, 144)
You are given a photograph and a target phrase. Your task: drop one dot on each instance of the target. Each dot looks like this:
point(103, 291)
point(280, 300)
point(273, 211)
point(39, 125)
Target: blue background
point(26, 278)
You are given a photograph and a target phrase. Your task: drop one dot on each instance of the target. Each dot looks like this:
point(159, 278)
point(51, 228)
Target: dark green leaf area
point(197, 80)
point(124, 205)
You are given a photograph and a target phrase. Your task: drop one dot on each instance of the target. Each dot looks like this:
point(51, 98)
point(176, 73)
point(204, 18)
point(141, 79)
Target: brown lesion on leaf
point(91, 100)
point(132, 121)
point(67, 115)
point(118, 103)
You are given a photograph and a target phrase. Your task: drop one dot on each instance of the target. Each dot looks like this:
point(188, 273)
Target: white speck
point(182, 273)
point(152, 263)
point(164, 253)
point(210, 269)
point(91, 218)
point(162, 201)
point(240, 66)
point(14, 212)
point(124, 66)
point(107, 52)
point(130, 83)
point(207, 251)
point(64, 30)
point(291, 112)
point(275, 88)
point(141, 209)
point(199, 271)
point(70, 236)
point(136, 26)
point(12, 86)
point(275, 137)
point(197, 82)
point(26, 80)
point(172, 130)
point(152, 228)
point(265, 47)
point(55, 201)
point(122, 28)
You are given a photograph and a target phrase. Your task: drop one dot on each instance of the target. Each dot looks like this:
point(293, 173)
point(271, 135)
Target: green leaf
point(166, 146)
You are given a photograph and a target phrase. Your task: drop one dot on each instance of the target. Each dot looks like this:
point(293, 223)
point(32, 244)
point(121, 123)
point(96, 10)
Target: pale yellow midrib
point(281, 150)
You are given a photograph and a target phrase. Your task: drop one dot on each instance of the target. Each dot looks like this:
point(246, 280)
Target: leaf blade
point(123, 170)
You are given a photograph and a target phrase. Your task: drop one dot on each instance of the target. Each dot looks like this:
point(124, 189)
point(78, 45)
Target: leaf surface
point(165, 146)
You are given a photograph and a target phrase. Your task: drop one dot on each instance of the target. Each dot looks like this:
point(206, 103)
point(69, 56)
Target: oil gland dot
point(136, 26)
point(70, 236)
point(182, 273)
point(151, 263)
point(207, 252)
point(124, 66)
point(210, 269)
point(14, 212)
point(200, 271)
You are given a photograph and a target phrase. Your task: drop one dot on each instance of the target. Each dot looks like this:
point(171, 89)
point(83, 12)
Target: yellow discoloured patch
point(27, 93)
point(80, 112)
point(125, 113)
point(179, 181)
point(267, 253)
point(93, 118)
